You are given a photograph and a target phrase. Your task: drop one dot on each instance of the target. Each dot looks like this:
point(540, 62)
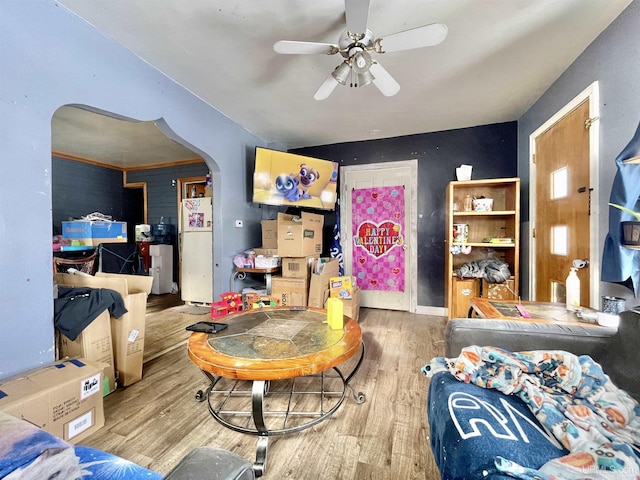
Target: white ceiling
point(498, 58)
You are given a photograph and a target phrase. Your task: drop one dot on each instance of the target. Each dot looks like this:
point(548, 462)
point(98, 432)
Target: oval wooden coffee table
point(271, 344)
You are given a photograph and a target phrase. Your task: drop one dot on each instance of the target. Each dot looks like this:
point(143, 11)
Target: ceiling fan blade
point(327, 87)
point(294, 47)
point(384, 81)
point(425, 36)
point(357, 13)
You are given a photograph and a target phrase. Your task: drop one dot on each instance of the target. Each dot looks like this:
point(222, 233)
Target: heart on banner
point(378, 239)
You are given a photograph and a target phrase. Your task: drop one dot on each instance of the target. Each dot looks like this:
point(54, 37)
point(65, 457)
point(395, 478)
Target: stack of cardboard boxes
point(119, 342)
point(305, 276)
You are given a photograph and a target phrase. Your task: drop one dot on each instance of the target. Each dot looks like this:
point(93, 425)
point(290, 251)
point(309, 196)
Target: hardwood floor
point(156, 421)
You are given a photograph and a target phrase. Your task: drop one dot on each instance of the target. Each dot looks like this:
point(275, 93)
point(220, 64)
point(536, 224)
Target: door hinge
point(533, 232)
point(589, 121)
point(533, 158)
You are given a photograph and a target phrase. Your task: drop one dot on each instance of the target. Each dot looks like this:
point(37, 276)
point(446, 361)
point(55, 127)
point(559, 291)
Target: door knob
point(580, 263)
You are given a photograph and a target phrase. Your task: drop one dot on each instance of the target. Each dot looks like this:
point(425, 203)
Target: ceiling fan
point(355, 43)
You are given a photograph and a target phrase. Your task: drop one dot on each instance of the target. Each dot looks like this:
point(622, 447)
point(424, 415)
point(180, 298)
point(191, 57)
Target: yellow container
point(335, 313)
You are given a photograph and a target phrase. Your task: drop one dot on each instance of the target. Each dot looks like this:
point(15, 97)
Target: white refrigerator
point(196, 250)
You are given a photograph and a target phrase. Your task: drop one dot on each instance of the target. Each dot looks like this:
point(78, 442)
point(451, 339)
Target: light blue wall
point(613, 60)
point(49, 58)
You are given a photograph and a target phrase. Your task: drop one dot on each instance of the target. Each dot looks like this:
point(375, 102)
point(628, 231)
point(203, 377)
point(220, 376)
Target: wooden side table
point(540, 312)
point(241, 273)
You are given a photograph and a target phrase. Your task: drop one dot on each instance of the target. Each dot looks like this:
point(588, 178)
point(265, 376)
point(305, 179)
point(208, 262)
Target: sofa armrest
point(213, 464)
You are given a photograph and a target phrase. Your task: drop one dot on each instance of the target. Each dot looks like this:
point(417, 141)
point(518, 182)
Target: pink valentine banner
point(377, 230)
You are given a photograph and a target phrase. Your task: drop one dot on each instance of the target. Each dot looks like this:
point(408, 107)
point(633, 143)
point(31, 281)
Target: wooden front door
point(562, 205)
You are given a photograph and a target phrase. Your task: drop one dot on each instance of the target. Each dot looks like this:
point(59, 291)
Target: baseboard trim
point(437, 311)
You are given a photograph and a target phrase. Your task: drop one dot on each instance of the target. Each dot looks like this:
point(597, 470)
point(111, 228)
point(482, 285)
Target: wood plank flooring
point(156, 421)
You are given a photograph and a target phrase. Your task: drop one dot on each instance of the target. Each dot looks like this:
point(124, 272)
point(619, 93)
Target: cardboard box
point(262, 261)
point(351, 307)
point(63, 398)
point(94, 343)
point(341, 287)
point(319, 282)
point(267, 252)
point(127, 331)
point(298, 267)
point(499, 291)
point(78, 231)
point(289, 292)
point(94, 233)
point(108, 232)
point(299, 236)
point(269, 233)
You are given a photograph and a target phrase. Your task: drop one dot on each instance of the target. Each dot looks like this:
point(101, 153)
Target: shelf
point(631, 247)
point(488, 245)
point(484, 214)
point(503, 222)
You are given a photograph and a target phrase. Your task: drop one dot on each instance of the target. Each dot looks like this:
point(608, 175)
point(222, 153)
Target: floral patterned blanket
point(572, 397)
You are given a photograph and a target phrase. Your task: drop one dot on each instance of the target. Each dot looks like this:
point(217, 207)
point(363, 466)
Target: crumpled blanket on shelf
point(572, 397)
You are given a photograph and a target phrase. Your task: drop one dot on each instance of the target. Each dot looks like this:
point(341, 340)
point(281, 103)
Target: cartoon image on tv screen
point(286, 179)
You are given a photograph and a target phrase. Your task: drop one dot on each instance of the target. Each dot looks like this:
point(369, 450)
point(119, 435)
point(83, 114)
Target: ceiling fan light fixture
point(365, 78)
point(361, 62)
point(342, 72)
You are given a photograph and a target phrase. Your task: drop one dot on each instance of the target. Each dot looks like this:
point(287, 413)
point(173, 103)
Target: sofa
point(29, 453)
point(473, 429)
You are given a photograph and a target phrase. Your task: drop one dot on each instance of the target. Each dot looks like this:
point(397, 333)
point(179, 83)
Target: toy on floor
point(256, 300)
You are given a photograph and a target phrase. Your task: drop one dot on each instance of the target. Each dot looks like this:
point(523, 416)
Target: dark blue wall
point(79, 188)
point(490, 149)
point(162, 196)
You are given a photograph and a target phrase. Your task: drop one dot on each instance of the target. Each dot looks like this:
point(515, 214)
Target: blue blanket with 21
point(571, 397)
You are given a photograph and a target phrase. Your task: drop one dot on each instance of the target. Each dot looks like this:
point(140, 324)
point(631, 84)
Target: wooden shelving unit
point(502, 222)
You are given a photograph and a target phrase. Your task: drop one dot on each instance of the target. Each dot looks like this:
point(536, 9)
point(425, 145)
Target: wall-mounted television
point(282, 178)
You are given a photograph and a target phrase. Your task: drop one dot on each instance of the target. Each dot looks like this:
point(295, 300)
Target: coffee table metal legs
point(359, 397)
point(260, 389)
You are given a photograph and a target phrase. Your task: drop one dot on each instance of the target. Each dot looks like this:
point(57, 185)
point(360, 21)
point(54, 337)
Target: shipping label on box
point(269, 233)
point(298, 267)
point(341, 287)
point(319, 283)
point(64, 398)
point(289, 292)
point(299, 236)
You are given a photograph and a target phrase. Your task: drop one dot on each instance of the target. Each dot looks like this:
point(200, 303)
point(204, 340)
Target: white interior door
point(366, 177)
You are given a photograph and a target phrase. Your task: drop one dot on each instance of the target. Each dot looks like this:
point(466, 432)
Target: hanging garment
point(621, 264)
point(76, 308)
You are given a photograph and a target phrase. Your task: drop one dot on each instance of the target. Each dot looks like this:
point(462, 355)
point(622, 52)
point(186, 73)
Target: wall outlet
point(239, 224)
